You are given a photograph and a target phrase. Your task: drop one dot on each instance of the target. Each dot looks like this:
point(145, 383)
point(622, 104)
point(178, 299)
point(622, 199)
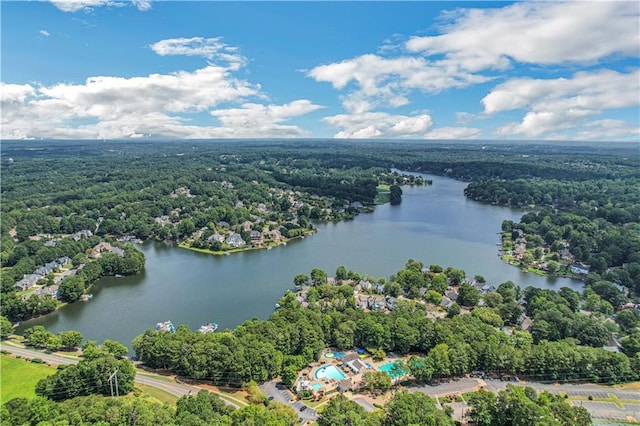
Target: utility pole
point(114, 377)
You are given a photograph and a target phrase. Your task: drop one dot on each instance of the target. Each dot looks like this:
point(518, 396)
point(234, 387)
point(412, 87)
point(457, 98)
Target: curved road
point(177, 389)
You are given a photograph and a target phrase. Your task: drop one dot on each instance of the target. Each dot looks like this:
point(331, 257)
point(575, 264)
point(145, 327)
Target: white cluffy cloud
point(77, 5)
point(563, 103)
point(153, 105)
point(45, 33)
point(387, 81)
point(536, 33)
point(379, 125)
point(210, 48)
point(473, 46)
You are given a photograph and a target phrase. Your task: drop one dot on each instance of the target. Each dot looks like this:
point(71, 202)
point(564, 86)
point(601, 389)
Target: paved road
point(600, 410)
point(177, 389)
point(365, 404)
point(280, 393)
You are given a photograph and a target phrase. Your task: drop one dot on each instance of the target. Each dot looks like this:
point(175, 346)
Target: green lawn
point(19, 377)
point(157, 394)
point(383, 194)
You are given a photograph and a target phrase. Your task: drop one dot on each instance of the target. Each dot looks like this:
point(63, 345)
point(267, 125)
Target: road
point(598, 409)
point(158, 382)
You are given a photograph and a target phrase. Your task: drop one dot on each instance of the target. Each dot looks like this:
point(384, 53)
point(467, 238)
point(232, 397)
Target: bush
point(37, 361)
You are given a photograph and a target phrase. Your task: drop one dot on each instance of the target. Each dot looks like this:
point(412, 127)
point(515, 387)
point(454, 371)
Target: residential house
point(247, 225)
point(64, 260)
point(105, 247)
point(487, 289)
point(380, 288)
point(365, 285)
point(235, 240)
point(28, 281)
point(84, 233)
point(256, 236)
point(215, 237)
point(377, 303)
point(391, 303)
point(580, 269)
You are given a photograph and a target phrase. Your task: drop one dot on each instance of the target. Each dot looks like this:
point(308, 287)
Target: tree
point(377, 381)
point(341, 273)
point(483, 408)
point(414, 408)
point(341, 411)
point(289, 375)
point(71, 289)
point(70, 340)
point(6, 328)
point(453, 310)
point(395, 196)
point(468, 295)
point(116, 349)
point(318, 276)
point(628, 319)
point(432, 296)
point(301, 279)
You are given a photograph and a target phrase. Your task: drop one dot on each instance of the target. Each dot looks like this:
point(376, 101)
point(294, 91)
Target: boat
point(86, 297)
point(165, 326)
point(208, 328)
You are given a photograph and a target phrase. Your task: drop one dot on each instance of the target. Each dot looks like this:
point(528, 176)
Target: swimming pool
point(330, 372)
point(334, 354)
point(316, 386)
point(388, 368)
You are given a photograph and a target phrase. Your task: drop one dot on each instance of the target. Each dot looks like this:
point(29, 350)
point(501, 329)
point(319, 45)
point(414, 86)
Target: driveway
point(278, 392)
point(365, 404)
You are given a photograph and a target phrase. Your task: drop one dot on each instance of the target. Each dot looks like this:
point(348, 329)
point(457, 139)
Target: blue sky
point(102, 69)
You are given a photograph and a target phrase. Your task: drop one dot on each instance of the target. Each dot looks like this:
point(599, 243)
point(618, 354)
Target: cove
point(434, 224)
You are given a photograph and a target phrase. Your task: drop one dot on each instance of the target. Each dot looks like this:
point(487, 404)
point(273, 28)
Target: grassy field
point(19, 378)
point(383, 194)
point(157, 394)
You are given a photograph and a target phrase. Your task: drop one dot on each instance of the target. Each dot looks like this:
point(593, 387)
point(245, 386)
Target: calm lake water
point(434, 224)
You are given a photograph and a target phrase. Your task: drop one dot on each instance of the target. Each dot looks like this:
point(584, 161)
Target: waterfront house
point(580, 269)
point(28, 281)
point(235, 240)
point(256, 236)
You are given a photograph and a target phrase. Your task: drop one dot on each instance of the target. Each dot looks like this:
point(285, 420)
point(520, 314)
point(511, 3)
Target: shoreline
point(186, 246)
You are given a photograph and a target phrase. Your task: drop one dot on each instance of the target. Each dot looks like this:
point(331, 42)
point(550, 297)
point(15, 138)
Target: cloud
point(210, 48)
point(84, 5)
point(379, 125)
point(454, 133)
point(383, 81)
point(153, 105)
point(608, 129)
point(256, 119)
point(534, 33)
point(45, 33)
point(562, 103)
point(142, 5)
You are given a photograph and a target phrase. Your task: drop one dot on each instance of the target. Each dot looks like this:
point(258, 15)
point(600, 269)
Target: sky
point(110, 69)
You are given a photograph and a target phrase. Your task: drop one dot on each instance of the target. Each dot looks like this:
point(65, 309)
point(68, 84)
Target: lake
point(434, 224)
